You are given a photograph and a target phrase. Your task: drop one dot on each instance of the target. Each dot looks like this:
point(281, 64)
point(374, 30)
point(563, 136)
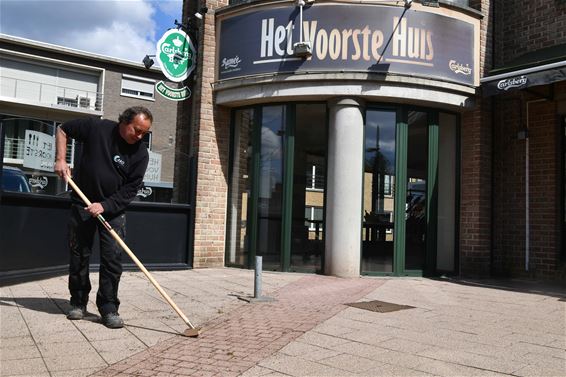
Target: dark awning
point(541, 67)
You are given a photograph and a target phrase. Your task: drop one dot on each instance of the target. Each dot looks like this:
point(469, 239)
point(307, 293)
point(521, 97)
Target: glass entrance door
point(277, 183)
point(270, 193)
point(416, 198)
point(379, 195)
point(309, 178)
point(402, 179)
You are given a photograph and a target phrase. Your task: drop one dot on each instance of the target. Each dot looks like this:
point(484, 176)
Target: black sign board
point(349, 38)
point(523, 79)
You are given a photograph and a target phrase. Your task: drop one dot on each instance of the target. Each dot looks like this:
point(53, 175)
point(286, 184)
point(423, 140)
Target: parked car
point(14, 179)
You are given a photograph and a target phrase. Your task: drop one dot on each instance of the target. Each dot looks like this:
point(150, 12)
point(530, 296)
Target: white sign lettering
point(153, 171)
point(39, 151)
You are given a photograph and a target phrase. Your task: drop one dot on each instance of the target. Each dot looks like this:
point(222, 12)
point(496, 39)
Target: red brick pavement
point(236, 341)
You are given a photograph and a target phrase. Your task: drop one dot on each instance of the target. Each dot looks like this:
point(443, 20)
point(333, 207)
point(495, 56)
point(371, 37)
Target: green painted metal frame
point(402, 134)
point(401, 138)
point(377, 108)
point(400, 190)
point(432, 194)
point(287, 204)
point(254, 176)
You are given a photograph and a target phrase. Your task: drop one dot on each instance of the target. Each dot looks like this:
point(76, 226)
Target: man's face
point(134, 131)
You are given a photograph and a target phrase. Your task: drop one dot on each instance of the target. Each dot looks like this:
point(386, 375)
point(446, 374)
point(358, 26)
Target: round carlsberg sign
point(176, 54)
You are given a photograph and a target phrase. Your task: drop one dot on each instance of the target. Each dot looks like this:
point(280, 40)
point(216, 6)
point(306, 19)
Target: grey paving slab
point(114, 350)
point(19, 353)
point(63, 362)
point(537, 371)
point(308, 351)
point(296, 366)
point(322, 340)
point(31, 367)
point(455, 329)
point(74, 372)
point(53, 350)
point(473, 360)
point(442, 368)
point(351, 363)
point(18, 341)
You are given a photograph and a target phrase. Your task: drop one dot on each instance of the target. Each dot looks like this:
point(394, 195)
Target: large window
point(138, 87)
point(46, 84)
point(277, 183)
point(29, 155)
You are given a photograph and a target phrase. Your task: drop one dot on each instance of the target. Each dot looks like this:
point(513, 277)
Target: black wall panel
point(33, 236)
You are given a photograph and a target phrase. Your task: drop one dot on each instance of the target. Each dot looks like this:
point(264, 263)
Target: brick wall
point(211, 140)
point(475, 203)
point(509, 187)
point(521, 28)
point(544, 188)
point(544, 144)
point(476, 158)
point(527, 25)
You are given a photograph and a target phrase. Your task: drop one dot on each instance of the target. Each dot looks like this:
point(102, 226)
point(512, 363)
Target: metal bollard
point(257, 277)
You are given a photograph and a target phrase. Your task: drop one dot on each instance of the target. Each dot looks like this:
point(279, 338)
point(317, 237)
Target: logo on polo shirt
point(117, 159)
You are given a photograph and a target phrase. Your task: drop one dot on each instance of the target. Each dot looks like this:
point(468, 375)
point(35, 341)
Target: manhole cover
point(379, 306)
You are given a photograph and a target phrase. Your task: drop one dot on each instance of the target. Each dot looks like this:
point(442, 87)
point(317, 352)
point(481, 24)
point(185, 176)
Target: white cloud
point(120, 28)
point(170, 7)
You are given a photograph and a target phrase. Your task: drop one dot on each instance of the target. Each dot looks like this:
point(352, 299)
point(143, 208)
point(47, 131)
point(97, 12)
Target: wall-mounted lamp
point(199, 15)
point(148, 61)
point(302, 48)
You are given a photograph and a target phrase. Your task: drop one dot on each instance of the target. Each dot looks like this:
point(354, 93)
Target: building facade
point(352, 138)
point(42, 86)
point(339, 137)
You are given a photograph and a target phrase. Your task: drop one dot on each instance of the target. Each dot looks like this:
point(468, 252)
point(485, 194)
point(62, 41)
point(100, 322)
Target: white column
point(344, 188)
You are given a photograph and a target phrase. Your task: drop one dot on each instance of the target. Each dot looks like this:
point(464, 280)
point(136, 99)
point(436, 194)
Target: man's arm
point(61, 168)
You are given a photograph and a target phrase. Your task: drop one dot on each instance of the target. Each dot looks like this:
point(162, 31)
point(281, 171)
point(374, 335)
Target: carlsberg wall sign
point(176, 54)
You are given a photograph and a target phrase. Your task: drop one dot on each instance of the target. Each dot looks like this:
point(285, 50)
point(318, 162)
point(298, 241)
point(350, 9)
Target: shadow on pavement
point(547, 288)
point(154, 330)
point(40, 304)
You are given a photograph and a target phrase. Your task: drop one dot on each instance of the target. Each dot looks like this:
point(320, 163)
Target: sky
point(125, 29)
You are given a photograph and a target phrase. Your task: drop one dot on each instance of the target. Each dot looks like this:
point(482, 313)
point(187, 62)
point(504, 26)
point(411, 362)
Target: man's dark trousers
point(82, 228)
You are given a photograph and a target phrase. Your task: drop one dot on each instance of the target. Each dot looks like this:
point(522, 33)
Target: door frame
point(287, 193)
point(399, 231)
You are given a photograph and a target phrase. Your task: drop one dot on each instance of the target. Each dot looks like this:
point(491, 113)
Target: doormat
point(379, 306)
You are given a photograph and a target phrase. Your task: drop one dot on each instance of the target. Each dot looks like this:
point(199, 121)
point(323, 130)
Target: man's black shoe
point(112, 321)
point(76, 312)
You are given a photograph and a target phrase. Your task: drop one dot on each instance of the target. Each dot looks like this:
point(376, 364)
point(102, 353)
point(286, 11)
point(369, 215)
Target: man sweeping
point(110, 172)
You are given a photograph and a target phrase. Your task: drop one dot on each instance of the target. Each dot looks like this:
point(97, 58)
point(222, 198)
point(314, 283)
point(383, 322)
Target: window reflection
point(29, 156)
point(416, 201)
point(240, 188)
point(379, 198)
point(309, 177)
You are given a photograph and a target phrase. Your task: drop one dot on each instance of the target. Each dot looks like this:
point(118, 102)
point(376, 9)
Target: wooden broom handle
point(130, 253)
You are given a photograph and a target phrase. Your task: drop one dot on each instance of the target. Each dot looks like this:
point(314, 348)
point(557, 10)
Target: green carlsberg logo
point(177, 55)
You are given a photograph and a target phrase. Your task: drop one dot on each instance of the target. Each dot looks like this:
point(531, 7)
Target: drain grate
point(379, 306)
